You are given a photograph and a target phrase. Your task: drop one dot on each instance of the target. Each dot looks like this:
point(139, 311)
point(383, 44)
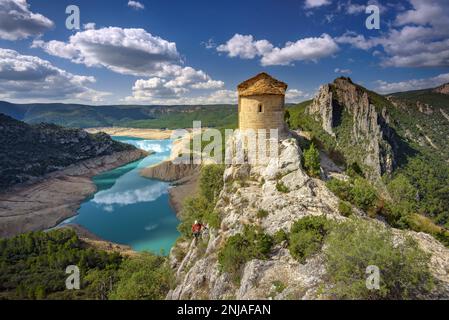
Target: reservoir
point(129, 209)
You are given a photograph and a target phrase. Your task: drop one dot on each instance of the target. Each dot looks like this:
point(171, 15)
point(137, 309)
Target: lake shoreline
point(147, 134)
point(55, 197)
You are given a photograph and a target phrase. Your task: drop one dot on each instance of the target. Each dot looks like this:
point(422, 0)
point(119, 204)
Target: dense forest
point(33, 266)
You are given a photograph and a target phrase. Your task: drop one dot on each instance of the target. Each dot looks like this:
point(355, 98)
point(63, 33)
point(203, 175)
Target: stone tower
point(261, 104)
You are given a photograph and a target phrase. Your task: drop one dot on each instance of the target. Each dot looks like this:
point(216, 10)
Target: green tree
point(144, 277)
point(312, 161)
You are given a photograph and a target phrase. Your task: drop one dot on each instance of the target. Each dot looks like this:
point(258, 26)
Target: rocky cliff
point(350, 114)
point(31, 151)
point(198, 272)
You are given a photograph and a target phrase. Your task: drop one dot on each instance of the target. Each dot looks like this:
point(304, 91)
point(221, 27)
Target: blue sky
point(195, 52)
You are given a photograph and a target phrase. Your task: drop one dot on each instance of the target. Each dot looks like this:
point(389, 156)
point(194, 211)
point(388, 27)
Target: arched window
point(260, 108)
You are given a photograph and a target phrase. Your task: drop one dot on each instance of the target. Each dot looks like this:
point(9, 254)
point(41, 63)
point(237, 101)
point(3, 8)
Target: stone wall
point(262, 112)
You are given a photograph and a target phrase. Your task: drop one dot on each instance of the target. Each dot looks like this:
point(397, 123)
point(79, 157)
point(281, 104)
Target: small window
point(260, 108)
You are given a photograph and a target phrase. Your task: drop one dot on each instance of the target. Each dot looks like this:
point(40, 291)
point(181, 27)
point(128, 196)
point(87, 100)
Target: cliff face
point(198, 273)
point(30, 151)
point(347, 113)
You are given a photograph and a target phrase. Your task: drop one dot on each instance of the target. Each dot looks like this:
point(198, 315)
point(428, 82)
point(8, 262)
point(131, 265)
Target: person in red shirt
point(197, 228)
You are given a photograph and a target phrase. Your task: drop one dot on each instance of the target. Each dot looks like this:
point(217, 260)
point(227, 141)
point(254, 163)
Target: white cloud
point(27, 77)
point(135, 5)
point(304, 49)
point(342, 71)
point(172, 83)
point(295, 95)
point(413, 84)
point(209, 44)
point(419, 37)
point(126, 51)
point(245, 47)
point(316, 3)
point(89, 26)
point(134, 52)
point(18, 22)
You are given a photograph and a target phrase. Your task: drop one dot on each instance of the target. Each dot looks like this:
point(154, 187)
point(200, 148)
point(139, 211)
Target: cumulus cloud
point(413, 84)
point(178, 81)
point(133, 52)
point(18, 22)
point(136, 5)
point(295, 95)
point(316, 3)
point(25, 77)
point(418, 38)
point(245, 47)
point(126, 51)
point(312, 49)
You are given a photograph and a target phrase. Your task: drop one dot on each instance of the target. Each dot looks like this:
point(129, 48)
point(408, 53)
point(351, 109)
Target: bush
point(281, 187)
point(262, 213)
point(363, 194)
point(307, 236)
point(341, 189)
point(312, 162)
point(243, 247)
point(345, 208)
point(211, 181)
point(354, 245)
point(280, 236)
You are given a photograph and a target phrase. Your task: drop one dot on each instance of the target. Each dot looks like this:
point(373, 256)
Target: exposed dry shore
point(49, 200)
point(152, 134)
point(184, 176)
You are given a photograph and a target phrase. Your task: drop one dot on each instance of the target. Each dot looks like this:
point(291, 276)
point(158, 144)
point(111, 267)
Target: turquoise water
point(129, 209)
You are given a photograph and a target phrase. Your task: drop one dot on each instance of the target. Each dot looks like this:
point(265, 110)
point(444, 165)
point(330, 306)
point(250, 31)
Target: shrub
point(262, 213)
point(312, 161)
point(341, 189)
point(307, 236)
point(345, 208)
point(243, 247)
point(363, 194)
point(352, 246)
point(144, 277)
point(281, 187)
point(280, 236)
point(211, 181)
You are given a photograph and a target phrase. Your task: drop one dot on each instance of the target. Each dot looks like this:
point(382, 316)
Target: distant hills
point(152, 117)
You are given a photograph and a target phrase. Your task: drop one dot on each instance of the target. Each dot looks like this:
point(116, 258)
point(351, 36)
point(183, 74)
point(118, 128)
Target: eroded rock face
point(370, 127)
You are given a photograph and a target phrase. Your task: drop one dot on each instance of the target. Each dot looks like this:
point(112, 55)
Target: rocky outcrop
point(31, 151)
point(444, 89)
point(43, 202)
point(368, 126)
point(197, 271)
point(168, 171)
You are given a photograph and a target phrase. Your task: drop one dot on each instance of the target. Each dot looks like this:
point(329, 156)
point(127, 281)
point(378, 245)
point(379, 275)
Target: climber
point(197, 228)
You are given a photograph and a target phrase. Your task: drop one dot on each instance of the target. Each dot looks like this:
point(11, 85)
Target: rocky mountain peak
point(348, 111)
